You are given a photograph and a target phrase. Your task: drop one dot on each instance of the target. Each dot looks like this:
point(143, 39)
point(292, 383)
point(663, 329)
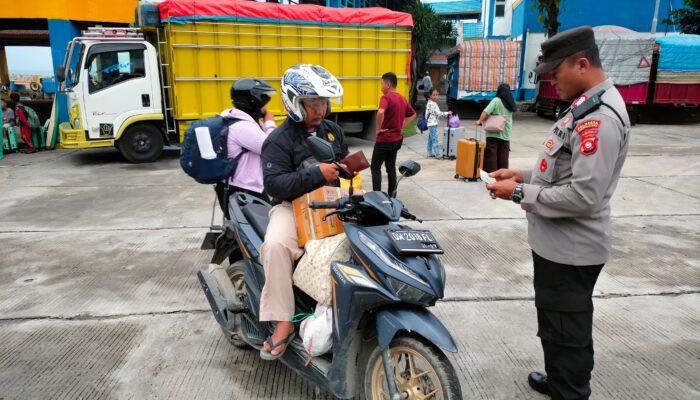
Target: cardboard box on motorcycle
point(309, 223)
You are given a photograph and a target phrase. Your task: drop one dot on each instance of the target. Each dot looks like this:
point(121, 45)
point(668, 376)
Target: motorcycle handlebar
point(324, 204)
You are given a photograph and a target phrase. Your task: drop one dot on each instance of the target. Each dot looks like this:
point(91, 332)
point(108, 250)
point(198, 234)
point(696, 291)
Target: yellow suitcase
point(470, 158)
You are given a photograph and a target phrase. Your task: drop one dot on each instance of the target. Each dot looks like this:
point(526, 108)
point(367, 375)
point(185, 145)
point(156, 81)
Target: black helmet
point(251, 94)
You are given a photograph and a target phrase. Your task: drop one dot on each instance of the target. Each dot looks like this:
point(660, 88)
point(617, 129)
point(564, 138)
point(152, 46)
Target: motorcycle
point(385, 343)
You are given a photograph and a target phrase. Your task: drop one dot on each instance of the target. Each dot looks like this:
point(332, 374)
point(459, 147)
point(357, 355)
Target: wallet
point(355, 162)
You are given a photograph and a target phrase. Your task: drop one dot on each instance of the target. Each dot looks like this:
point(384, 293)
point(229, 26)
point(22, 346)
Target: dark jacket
point(283, 153)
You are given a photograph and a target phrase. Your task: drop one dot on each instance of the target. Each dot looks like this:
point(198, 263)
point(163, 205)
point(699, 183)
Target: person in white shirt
point(432, 113)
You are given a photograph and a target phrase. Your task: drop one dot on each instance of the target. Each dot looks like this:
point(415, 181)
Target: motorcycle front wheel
point(421, 371)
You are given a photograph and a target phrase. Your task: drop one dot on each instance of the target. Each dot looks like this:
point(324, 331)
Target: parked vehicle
point(381, 325)
point(648, 71)
point(138, 89)
point(676, 71)
point(475, 68)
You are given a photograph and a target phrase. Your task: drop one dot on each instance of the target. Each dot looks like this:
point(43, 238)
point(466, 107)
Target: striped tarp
point(485, 64)
point(678, 77)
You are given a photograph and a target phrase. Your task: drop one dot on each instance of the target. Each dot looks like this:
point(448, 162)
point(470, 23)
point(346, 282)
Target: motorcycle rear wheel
point(236, 272)
point(422, 372)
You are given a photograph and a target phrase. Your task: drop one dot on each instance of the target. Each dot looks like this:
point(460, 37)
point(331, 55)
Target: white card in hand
point(206, 149)
point(486, 178)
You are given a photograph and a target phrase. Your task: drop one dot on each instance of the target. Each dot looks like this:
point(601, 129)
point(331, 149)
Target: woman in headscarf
point(498, 142)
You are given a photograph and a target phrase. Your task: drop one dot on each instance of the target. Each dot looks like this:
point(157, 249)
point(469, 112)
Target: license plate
point(412, 241)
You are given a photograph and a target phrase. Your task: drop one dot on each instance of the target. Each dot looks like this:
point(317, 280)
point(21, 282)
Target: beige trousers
point(278, 253)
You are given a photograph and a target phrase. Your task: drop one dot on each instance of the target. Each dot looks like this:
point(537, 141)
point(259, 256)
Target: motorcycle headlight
point(76, 123)
point(409, 293)
point(388, 259)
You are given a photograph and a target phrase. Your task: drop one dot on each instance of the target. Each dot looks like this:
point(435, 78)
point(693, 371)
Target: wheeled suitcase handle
point(477, 156)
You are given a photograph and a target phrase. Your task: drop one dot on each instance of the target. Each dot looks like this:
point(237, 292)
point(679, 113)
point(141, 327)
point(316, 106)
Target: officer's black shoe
point(538, 382)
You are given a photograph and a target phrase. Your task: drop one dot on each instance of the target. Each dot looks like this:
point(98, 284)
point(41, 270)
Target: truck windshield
point(75, 55)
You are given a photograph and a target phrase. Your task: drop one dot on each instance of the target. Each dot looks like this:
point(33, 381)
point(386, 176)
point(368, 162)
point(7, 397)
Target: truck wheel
point(538, 109)
point(141, 143)
point(421, 372)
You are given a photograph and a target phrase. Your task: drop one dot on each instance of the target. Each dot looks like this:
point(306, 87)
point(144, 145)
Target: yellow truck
point(139, 88)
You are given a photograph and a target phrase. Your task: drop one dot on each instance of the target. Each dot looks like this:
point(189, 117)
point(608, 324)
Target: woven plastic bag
point(313, 273)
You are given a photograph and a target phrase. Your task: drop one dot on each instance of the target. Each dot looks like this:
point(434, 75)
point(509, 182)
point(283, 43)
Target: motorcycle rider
point(249, 97)
point(307, 92)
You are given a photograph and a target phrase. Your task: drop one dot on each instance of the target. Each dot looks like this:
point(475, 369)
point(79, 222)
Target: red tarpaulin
point(184, 10)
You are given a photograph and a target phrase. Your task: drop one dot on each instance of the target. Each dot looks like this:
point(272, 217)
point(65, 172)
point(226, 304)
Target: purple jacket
point(248, 134)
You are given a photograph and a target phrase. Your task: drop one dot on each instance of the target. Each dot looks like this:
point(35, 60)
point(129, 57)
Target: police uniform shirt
point(567, 194)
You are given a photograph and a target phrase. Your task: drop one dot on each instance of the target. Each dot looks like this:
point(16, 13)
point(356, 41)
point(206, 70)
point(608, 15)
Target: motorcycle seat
point(257, 215)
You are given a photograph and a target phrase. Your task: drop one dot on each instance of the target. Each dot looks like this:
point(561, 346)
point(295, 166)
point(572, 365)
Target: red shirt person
point(23, 123)
point(393, 115)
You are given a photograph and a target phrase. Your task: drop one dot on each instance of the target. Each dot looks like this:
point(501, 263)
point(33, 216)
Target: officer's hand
point(502, 189)
point(449, 113)
point(507, 174)
point(330, 172)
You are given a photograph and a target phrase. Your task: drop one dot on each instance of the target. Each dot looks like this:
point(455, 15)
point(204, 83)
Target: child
point(432, 113)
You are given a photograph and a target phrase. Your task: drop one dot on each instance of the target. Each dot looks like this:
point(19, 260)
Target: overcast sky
point(29, 60)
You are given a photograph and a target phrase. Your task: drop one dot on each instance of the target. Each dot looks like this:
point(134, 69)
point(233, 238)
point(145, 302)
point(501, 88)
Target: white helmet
point(307, 81)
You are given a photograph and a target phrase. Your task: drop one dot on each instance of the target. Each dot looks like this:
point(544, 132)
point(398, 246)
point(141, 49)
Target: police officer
point(567, 201)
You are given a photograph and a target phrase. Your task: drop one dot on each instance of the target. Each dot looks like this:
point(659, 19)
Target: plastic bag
point(453, 121)
point(317, 331)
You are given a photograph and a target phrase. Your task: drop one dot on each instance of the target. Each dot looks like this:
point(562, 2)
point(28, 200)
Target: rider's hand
point(478, 123)
point(449, 113)
point(507, 174)
point(267, 115)
point(329, 171)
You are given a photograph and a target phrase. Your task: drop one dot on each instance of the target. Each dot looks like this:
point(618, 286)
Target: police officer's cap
point(564, 44)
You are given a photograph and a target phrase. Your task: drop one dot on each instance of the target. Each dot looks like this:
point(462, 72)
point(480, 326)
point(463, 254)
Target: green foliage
point(548, 15)
point(688, 18)
point(430, 33)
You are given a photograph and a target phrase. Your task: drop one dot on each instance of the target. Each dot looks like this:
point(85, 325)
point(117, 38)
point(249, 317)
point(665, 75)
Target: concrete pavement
point(99, 299)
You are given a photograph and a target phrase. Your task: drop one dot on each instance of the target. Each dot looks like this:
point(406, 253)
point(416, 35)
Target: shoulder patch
point(588, 127)
point(331, 136)
point(589, 144)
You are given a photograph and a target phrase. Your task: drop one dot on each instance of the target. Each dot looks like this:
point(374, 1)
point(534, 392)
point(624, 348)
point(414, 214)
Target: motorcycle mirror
point(409, 168)
point(60, 73)
point(322, 150)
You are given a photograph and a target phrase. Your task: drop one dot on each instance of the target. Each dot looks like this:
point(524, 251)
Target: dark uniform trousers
point(565, 325)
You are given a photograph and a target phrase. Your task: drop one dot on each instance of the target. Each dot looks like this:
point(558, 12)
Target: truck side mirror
point(60, 73)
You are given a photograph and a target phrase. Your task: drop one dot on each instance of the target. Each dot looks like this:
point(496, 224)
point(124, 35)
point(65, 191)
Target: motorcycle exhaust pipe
point(220, 293)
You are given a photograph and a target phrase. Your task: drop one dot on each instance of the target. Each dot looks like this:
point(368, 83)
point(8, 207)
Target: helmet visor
point(319, 103)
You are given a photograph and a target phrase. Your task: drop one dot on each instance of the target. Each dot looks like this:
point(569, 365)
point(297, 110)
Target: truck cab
point(111, 78)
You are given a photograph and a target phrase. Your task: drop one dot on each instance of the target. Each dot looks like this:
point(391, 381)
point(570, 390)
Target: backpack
point(204, 170)
point(32, 118)
point(422, 123)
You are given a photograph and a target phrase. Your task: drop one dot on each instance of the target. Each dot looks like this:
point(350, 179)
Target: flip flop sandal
point(268, 355)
